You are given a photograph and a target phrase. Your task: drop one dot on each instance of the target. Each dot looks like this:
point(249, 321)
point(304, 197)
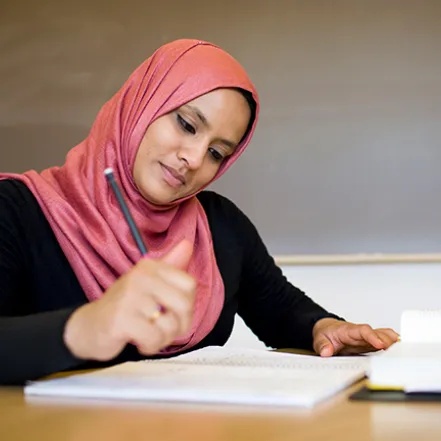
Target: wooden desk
point(337, 419)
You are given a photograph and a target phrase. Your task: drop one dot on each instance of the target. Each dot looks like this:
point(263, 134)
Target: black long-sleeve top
point(39, 290)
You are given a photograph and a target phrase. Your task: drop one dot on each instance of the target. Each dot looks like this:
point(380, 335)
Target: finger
point(160, 293)
point(323, 346)
point(177, 278)
point(168, 326)
point(390, 332)
point(165, 322)
point(367, 334)
point(149, 291)
point(180, 255)
point(174, 276)
point(148, 339)
point(387, 339)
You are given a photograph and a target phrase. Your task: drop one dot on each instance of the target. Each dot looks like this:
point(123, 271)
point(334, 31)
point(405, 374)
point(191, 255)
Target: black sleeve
point(31, 344)
point(280, 315)
point(32, 347)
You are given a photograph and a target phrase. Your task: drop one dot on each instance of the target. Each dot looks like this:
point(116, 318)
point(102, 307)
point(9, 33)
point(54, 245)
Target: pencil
point(126, 212)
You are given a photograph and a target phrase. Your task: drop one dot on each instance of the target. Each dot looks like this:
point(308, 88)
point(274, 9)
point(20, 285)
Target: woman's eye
point(185, 125)
point(216, 155)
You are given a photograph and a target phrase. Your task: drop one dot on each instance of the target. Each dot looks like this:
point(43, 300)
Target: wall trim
point(355, 259)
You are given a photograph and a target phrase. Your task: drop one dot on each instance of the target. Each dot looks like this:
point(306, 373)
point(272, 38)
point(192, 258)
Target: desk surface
point(338, 419)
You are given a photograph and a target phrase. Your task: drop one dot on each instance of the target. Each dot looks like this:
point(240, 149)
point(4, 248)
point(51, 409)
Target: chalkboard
point(347, 155)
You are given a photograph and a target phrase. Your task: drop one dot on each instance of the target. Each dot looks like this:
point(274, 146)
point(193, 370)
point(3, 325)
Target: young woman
point(74, 288)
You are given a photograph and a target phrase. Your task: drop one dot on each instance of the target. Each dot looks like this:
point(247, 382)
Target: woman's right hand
point(126, 312)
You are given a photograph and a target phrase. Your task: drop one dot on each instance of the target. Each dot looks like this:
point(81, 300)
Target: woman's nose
point(193, 154)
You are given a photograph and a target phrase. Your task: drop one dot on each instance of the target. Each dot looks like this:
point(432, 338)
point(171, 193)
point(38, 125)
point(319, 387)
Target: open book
point(215, 375)
point(414, 363)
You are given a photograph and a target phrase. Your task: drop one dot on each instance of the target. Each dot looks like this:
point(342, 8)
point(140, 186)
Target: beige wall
point(348, 147)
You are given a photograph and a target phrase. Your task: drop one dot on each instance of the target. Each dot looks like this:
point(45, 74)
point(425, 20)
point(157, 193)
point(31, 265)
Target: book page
point(204, 380)
point(224, 356)
point(216, 375)
point(421, 326)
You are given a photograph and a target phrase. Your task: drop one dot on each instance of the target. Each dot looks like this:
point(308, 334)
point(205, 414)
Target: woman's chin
point(159, 193)
point(160, 197)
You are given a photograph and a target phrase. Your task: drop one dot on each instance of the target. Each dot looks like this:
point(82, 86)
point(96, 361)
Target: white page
point(410, 350)
point(421, 326)
point(209, 375)
point(409, 365)
point(222, 356)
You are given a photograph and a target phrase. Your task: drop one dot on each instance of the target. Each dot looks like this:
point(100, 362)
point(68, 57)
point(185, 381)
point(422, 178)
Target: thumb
point(179, 256)
point(324, 347)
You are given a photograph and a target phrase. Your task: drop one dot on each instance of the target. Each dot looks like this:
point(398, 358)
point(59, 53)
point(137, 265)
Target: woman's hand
point(331, 337)
point(149, 306)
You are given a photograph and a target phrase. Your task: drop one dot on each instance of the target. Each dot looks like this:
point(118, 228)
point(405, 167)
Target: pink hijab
point(79, 204)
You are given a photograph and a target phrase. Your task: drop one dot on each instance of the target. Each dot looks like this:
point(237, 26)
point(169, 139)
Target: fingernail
point(325, 350)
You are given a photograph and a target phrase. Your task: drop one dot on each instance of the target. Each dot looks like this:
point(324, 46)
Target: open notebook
point(215, 375)
point(414, 363)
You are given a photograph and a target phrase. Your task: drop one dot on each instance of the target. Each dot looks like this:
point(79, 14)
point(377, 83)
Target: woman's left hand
point(331, 337)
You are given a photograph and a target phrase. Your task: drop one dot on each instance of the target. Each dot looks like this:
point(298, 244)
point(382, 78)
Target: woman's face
point(182, 151)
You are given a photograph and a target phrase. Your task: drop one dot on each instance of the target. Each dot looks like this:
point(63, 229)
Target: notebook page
point(224, 356)
point(421, 326)
point(204, 383)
